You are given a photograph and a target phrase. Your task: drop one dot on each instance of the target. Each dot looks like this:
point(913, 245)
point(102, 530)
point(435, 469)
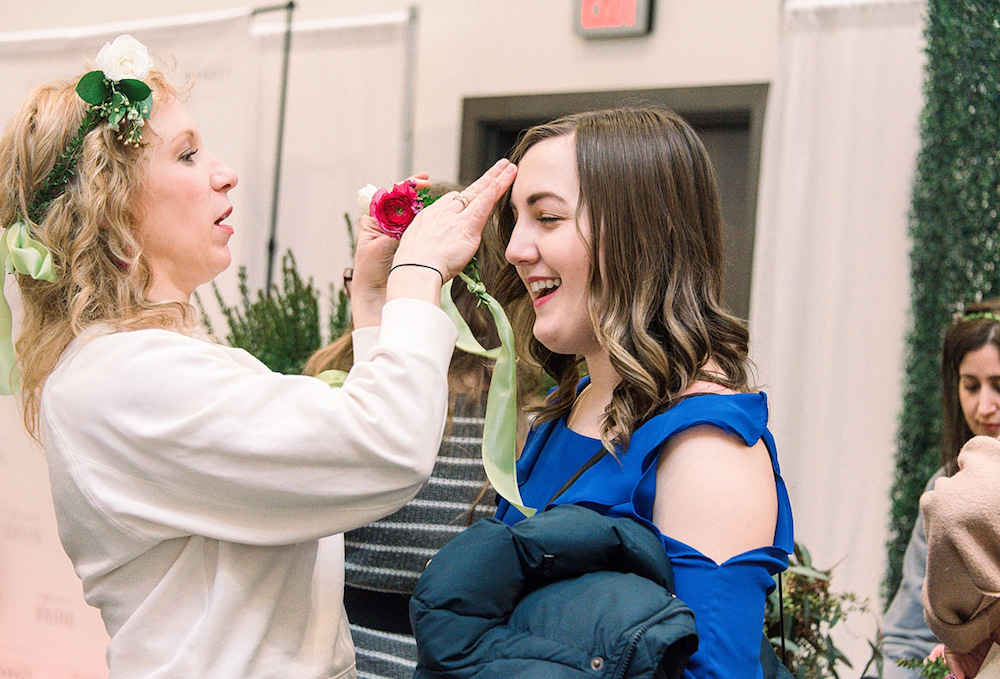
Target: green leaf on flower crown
point(425, 197)
point(118, 109)
point(135, 90)
point(93, 88)
point(146, 105)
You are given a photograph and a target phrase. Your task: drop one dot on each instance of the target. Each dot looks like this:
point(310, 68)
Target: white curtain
point(831, 278)
point(348, 123)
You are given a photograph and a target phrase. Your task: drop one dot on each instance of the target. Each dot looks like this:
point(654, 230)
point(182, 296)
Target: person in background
point(199, 495)
point(962, 525)
point(970, 402)
point(385, 558)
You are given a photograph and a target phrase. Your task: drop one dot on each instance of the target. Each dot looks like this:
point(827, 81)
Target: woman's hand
point(372, 261)
point(445, 235)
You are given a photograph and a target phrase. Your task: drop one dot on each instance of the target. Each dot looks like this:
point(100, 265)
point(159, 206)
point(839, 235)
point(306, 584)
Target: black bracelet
point(424, 266)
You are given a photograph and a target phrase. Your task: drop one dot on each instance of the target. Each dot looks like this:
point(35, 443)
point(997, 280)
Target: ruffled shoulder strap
point(742, 414)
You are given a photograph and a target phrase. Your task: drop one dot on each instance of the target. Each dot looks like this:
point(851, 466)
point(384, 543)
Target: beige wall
point(486, 47)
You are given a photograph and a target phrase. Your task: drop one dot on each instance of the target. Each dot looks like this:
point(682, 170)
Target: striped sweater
point(390, 554)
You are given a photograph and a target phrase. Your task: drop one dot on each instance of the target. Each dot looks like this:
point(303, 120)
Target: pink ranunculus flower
point(394, 210)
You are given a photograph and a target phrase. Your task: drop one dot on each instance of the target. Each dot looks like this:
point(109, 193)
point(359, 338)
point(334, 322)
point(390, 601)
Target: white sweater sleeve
point(165, 436)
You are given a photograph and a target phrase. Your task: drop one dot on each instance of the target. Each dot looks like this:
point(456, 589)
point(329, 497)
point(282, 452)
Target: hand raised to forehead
point(446, 235)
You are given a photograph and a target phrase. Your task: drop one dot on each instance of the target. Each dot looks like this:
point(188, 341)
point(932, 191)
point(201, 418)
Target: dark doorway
point(729, 119)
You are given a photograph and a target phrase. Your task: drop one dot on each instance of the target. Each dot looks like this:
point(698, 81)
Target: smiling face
point(549, 246)
point(183, 206)
point(979, 390)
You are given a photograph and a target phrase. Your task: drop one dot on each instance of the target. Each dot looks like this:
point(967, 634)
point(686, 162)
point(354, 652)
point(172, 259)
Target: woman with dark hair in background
point(970, 402)
point(384, 559)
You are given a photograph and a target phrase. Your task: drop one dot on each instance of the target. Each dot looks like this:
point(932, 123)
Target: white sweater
point(194, 488)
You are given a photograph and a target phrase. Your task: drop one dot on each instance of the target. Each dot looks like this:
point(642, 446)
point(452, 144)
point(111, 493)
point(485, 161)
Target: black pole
point(270, 8)
point(272, 242)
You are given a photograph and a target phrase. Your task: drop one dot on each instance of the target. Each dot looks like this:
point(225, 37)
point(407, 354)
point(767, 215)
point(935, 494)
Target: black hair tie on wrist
point(423, 266)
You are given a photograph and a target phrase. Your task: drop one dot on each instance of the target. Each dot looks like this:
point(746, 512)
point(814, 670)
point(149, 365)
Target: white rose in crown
point(365, 196)
point(125, 58)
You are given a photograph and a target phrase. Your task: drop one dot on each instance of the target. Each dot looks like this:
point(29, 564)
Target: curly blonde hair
point(90, 229)
point(650, 191)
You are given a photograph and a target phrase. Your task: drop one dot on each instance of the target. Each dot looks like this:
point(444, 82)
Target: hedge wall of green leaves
point(954, 227)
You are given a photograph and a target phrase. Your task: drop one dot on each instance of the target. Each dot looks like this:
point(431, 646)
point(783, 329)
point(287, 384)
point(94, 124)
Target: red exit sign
point(612, 18)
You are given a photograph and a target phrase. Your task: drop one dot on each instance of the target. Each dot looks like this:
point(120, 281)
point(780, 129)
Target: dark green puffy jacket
point(568, 593)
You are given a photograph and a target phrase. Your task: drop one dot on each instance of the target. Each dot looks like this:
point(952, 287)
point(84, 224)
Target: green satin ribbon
point(21, 253)
point(334, 378)
point(500, 429)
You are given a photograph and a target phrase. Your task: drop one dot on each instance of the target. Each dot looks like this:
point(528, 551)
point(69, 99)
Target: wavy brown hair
point(90, 229)
point(978, 326)
point(649, 190)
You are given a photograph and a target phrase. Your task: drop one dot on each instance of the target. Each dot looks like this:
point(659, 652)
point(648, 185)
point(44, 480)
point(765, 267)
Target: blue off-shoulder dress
point(728, 599)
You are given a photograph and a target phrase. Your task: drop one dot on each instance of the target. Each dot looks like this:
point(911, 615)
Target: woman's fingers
point(422, 180)
point(373, 255)
point(446, 235)
point(482, 201)
point(472, 191)
point(372, 261)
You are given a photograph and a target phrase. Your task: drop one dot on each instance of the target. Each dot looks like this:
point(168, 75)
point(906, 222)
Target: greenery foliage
point(811, 610)
point(933, 669)
point(282, 329)
point(953, 226)
point(340, 312)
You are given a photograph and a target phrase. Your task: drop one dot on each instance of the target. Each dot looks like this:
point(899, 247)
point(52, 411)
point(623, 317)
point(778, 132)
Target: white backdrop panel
point(46, 629)
point(346, 125)
point(831, 274)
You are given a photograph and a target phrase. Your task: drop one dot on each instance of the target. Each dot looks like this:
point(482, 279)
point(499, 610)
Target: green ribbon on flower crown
point(21, 253)
point(500, 429)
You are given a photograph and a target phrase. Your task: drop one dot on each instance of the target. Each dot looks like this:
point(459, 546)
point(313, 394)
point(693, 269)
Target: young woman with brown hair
point(970, 405)
point(612, 239)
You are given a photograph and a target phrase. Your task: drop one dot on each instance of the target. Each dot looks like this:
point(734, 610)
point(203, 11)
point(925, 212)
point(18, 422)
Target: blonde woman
point(197, 492)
